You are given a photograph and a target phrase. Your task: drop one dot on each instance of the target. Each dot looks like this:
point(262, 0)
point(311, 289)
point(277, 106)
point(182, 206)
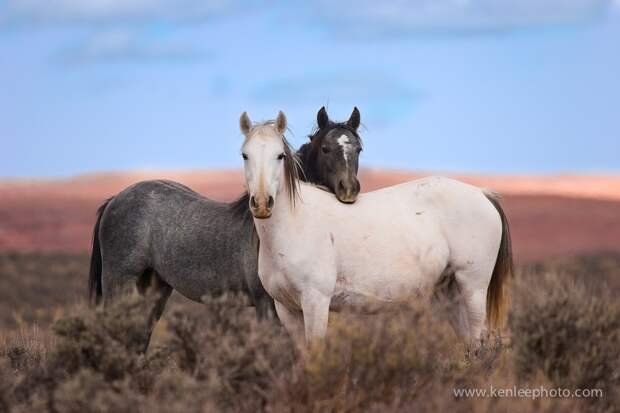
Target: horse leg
point(448, 301)
point(149, 282)
point(472, 303)
point(292, 321)
point(315, 307)
point(265, 308)
point(152, 283)
point(264, 304)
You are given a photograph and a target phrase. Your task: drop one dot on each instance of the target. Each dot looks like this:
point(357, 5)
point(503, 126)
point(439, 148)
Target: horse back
point(197, 245)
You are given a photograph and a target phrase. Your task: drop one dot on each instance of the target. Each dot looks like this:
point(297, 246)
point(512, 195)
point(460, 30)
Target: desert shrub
point(34, 287)
point(96, 361)
point(175, 391)
point(5, 388)
point(89, 391)
point(568, 334)
point(598, 274)
point(107, 342)
point(221, 358)
point(224, 360)
point(26, 348)
point(232, 354)
point(372, 362)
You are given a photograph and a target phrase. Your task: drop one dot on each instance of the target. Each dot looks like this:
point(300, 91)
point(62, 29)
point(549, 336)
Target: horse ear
point(354, 120)
point(281, 123)
point(245, 124)
point(321, 118)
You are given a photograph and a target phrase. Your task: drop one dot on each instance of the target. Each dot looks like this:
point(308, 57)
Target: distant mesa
point(551, 216)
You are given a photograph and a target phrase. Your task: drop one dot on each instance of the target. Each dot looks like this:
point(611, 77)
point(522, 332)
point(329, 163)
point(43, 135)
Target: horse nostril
point(270, 202)
point(253, 202)
point(341, 186)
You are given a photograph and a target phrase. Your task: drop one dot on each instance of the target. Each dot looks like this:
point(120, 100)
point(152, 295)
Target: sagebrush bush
point(5, 388)
point(90, 349)
point(27, 348)
point(89, 391)
point(569, 335)
point(222, 358)
point(376, 359)
point(232, 353)
point(174, 391)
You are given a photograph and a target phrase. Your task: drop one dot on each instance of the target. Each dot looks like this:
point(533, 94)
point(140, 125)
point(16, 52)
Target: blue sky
point(489, 86)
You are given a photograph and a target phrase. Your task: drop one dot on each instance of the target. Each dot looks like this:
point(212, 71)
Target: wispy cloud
point(410, 17)
point(123, 28)
point(349, 15)
point(128, 45)
point(34, 12)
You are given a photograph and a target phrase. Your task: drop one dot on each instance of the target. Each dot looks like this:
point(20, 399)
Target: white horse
point(317, 254)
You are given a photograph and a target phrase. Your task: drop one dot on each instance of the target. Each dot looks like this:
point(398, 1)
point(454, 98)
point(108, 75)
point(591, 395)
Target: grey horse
point(160, 235)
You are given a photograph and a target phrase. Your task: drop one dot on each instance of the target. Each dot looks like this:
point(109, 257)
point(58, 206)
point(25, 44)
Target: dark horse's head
point(332, 155)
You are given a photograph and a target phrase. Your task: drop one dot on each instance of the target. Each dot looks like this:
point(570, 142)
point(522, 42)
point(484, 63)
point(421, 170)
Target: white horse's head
point(269, 163)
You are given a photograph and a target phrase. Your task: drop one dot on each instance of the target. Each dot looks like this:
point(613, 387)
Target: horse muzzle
point(347, 190)
point(261, 206)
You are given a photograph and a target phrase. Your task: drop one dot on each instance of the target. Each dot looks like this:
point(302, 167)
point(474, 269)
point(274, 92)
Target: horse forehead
point(262, 141)
point(344, 141)
point(343, 137)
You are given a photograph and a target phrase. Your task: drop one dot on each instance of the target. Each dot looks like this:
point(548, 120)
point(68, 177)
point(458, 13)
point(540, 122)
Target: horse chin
point(350, 200)
point(348, 197)
point(264, 214)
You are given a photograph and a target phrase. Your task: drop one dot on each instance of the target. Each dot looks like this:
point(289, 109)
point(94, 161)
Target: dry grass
point(34, 288)
point(565, 331)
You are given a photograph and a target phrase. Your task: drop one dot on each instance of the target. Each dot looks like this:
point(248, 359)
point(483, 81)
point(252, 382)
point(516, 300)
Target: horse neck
point(277, 227)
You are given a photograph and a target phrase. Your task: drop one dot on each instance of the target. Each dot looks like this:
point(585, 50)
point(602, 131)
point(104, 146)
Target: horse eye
point(281, 156)
point(245, 157)
point(325, 149)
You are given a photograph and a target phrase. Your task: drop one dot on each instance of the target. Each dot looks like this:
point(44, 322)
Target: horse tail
point(497, 297)
point(95, 290)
